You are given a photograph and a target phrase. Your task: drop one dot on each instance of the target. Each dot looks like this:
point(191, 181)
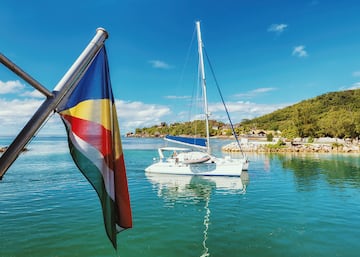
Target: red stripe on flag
point(85, 130)
point(122, 195)
point(95, 134)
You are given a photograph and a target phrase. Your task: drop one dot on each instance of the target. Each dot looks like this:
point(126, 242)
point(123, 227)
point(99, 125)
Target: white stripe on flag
point(98, 160)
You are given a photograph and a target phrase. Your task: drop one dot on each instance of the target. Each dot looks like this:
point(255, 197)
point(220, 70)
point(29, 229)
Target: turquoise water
point(286, 205)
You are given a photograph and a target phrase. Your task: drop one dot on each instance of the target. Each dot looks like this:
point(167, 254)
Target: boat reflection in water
point(197, 188)
point(187, 186)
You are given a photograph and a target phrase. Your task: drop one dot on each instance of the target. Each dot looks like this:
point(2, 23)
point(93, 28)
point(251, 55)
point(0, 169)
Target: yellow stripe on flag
point(93, 110)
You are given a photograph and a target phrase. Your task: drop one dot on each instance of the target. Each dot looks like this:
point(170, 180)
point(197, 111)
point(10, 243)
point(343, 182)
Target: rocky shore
point(3, 149)
point(328, 146)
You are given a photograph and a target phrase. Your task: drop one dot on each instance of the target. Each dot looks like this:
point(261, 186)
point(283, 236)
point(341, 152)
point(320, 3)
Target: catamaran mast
point(203, 84)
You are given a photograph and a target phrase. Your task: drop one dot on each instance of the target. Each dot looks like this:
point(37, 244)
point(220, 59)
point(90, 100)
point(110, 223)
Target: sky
point(265, 54)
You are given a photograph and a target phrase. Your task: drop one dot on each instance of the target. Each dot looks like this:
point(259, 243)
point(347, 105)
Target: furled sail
point(189, 141)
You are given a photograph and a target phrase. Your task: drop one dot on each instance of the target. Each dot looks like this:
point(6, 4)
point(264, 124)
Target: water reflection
point(196, 189)
point(336, 170)
point(177, 187)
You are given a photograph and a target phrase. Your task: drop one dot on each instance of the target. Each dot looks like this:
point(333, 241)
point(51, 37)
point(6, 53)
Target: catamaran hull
point(201, 169)
point(245, 166)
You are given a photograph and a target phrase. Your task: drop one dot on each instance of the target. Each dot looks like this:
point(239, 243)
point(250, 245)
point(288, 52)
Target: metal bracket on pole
point(65, 85)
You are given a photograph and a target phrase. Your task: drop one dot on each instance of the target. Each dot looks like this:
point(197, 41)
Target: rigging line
point(194, 94)
point(193, 106)
point(186, 64)
point(223, 101)
point(196, 100)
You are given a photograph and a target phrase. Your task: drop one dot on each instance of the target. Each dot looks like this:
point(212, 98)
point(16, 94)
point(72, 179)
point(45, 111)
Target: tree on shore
point(335, 114)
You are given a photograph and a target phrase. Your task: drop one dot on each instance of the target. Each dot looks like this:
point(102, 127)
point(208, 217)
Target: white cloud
point(137, 114)
point(356, 74)
point(352, 87)
point(278, 28)
point(263, 89)
point(33, 94)
point(11, 87)
point(242, 110)
point(255, 92)
point(14, 114)
point(177, 97)
point(134, 115)
point(299, 51)
point(17, 109)
point(157, 64)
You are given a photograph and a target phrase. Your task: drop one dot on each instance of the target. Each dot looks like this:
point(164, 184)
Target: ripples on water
point(286, 205)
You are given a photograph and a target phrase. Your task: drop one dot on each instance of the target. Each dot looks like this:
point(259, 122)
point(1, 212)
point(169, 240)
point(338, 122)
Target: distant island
point(326, 123)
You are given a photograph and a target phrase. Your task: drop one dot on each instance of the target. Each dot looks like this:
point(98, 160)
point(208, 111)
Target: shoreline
point(254, 144)
point(269, 147)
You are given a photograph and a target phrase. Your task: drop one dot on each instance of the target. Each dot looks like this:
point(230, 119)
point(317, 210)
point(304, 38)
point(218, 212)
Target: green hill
point(335, 114)
point(191, 128)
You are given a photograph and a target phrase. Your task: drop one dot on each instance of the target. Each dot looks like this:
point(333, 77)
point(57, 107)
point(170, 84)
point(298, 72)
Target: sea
point(284, 205)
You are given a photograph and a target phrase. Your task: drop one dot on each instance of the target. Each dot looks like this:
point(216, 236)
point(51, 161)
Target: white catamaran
point(186, 161)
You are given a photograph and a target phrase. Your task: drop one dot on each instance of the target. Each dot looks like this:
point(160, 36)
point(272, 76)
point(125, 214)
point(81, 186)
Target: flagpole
point(66, 84)
point(17, 70)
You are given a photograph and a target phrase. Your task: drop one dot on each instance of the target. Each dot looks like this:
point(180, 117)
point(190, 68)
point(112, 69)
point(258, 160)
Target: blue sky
point(266, 54)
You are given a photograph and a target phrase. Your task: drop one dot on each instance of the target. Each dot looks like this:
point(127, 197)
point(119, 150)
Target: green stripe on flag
point(94, 176)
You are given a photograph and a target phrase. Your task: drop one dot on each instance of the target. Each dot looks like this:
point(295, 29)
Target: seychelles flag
point(89, 115)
